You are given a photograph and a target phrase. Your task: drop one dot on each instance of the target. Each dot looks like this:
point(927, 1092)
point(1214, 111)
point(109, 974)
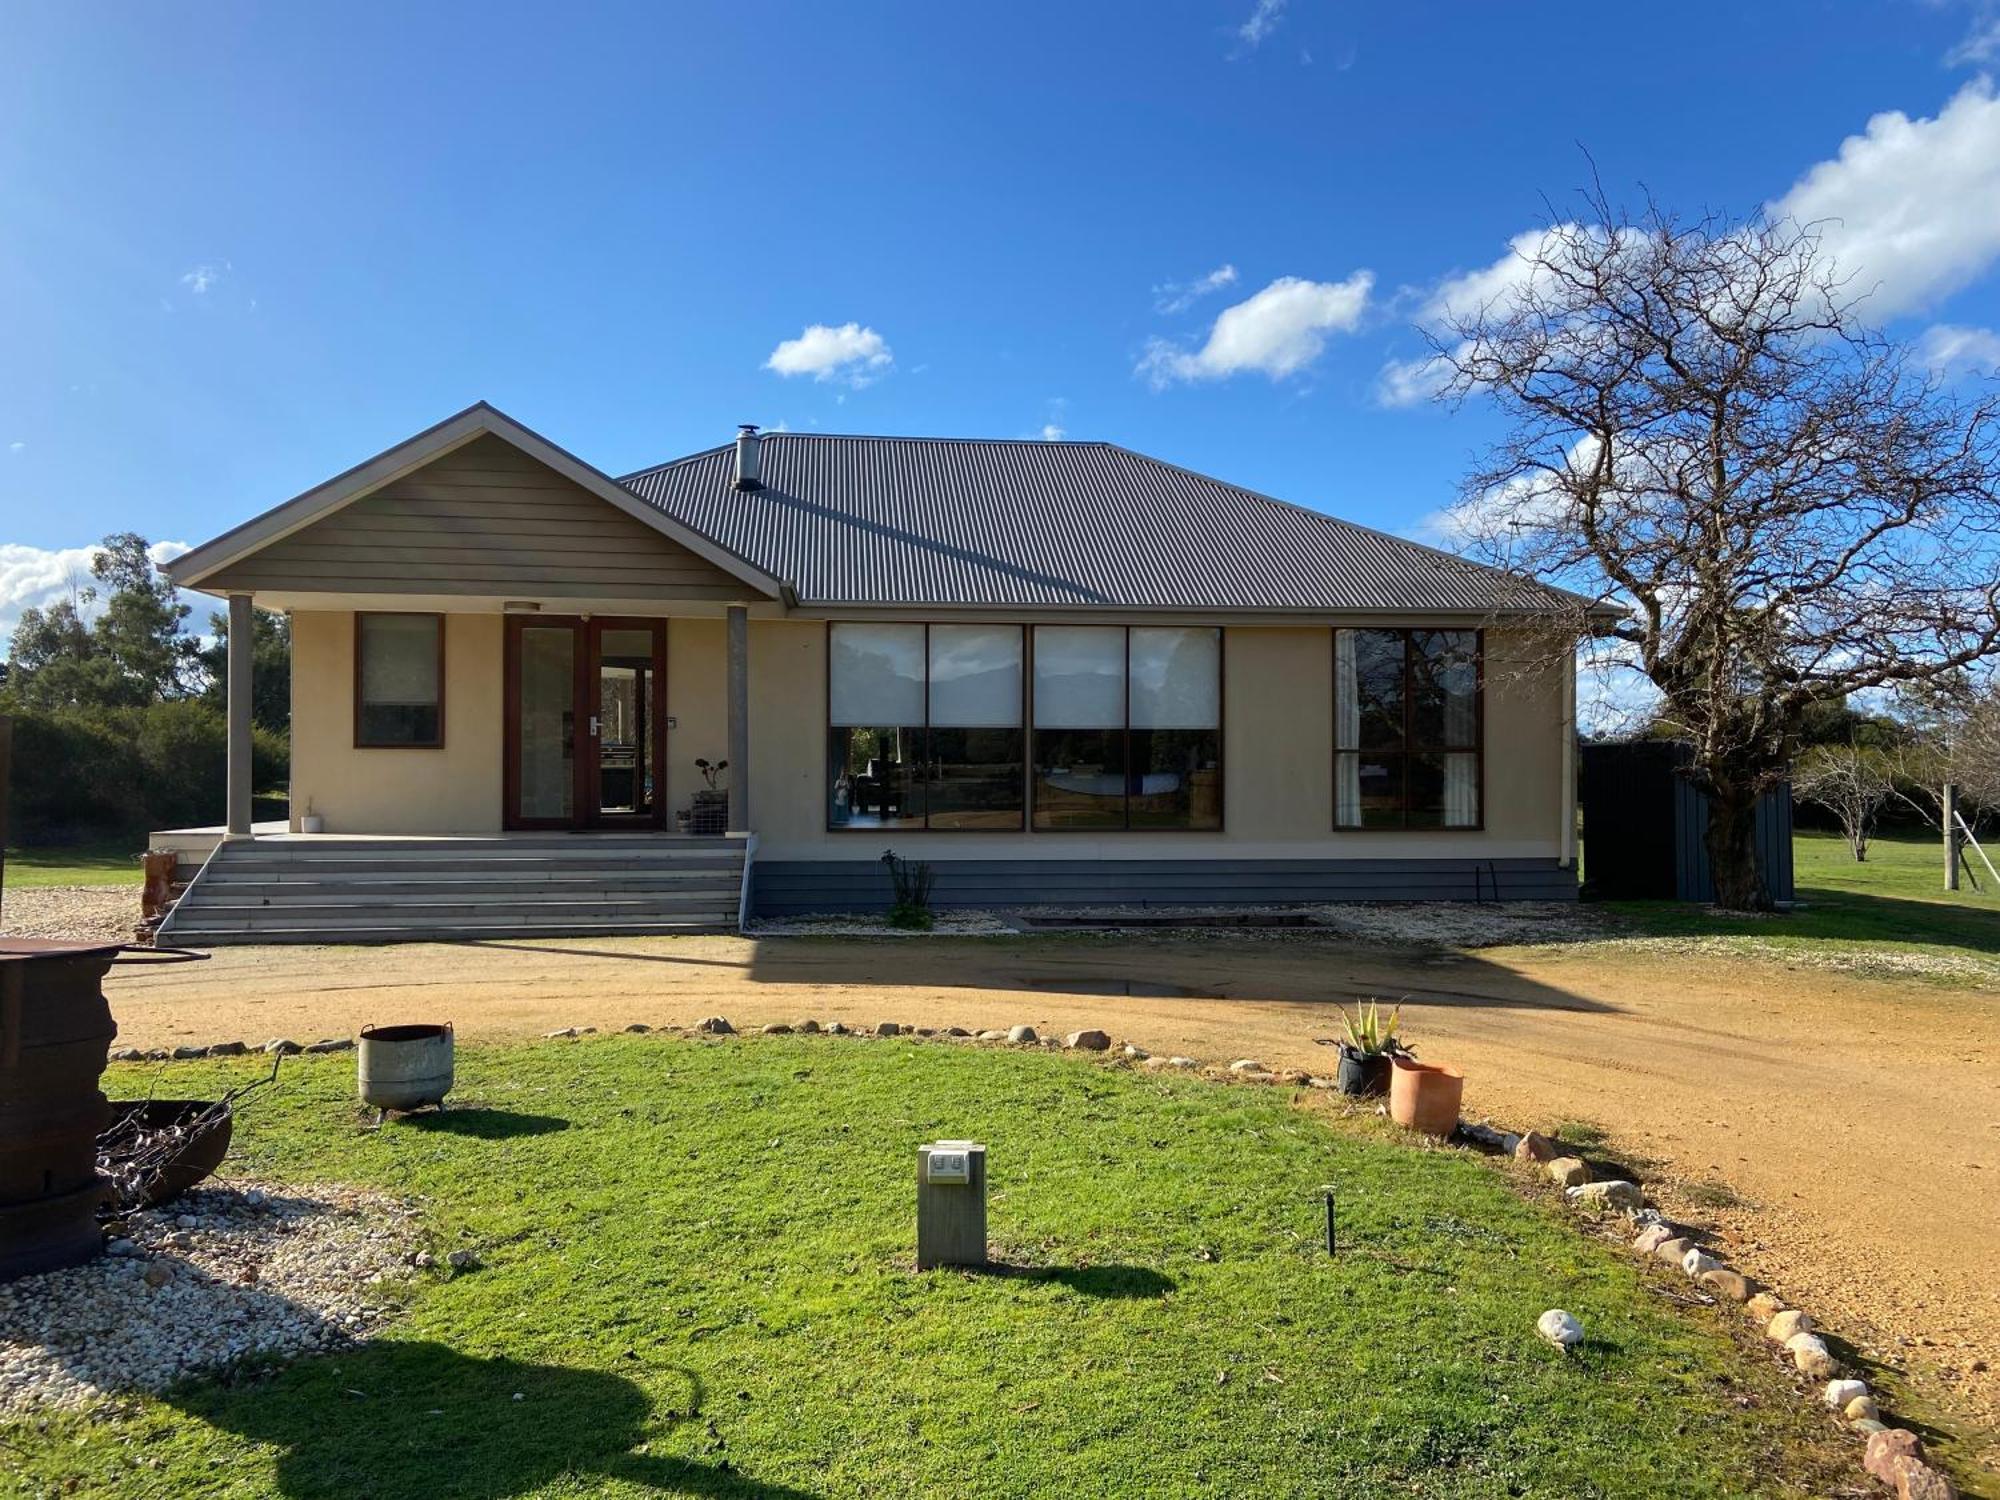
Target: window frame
point(827, 726)
point(1221, 735)
point(1408, 748)
point(361, 615)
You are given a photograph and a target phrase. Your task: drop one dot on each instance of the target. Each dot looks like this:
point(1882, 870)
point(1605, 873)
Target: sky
point(244, 247)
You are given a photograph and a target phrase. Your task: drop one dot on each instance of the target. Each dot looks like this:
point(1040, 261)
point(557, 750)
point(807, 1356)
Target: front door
point(586, 728)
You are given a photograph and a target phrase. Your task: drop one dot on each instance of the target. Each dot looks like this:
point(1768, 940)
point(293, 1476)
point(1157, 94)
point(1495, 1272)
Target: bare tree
point(1704, 431)
point(1848, 781)
point(1953, 736)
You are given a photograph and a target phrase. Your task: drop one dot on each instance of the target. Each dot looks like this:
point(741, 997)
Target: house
point(1061, 672)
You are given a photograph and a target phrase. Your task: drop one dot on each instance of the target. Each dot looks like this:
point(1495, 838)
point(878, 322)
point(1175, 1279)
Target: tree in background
point(270, 668)
point(1703, 429)
point(1852, 782)
point(119, 723)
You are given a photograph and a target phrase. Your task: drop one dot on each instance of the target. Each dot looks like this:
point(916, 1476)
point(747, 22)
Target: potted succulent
point(1367, 1049)
point(710, 813)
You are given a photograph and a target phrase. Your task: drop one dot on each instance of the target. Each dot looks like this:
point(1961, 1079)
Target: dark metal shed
point(1644, 825)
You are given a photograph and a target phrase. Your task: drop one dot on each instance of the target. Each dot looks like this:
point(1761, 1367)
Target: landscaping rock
point(1652, 1237)
point(1182, 1062)
point(1616, 1194)
point(1136, 1054)
point(1840, 1393)
point(333, 1044)
point(1787, 1326)
point(836, 1028)
point(183, 1054)
point(125, 1054)
point(1917, 1480)
point(888, 1028)
point(638, 1028)
point(1022, 1034)
point(1862, 1409)
point(992, 1036)
point(1884, 1448)
point(1560, 1329)
point(1869, 1426)
point(282, 1046)
point(463, 1260)
point(227, 1049)
point(560, 1031)
point(777, 1028)
point(715, 1026)
point(1569, 1172)
point(121, 1247)
point(1087, 1041)
point(1696, 1261)
point(1810, 1354)
point(954, 1031)
point(808, 1026)
point(1724, 1282)
point(1247, 1065)
point(1534, 1146)
point(1672, 1250)
point(1764, 1307)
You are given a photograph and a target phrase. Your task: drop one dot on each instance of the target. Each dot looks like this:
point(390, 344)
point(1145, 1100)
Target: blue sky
point(244, 247)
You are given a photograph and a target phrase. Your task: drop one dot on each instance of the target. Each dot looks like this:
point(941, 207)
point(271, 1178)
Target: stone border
point(1894, 1455)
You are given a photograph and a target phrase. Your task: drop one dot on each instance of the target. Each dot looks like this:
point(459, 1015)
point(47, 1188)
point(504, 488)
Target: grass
point(697, 1279)
point(106, 862)
point(1892, 905)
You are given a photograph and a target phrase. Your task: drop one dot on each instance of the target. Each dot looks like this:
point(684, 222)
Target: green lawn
point(112, 862)
point(1894, 903)
point(697, 1278)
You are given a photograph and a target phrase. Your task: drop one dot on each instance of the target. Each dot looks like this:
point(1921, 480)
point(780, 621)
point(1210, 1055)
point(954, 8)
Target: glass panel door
point(629, 750)
point(542, 748)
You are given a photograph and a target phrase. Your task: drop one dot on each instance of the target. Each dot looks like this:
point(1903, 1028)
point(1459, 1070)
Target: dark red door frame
point(586, 656)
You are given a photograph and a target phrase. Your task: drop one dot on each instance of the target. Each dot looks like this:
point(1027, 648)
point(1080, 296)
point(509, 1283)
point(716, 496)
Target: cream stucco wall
point(1277, 750)
point(1277, 764)
point(452, 789)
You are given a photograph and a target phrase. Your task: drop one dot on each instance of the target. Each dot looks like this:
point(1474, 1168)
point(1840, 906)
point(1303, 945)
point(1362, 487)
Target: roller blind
point(1176, 678)
point(399, 659)
point(975, 676)
point(876, 675)
point(1079, 677)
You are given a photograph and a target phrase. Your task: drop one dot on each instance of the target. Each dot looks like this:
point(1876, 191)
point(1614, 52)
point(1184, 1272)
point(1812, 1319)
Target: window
point(398, 680)
point(1408, 714)
point(924, 727)
point(1128, 727)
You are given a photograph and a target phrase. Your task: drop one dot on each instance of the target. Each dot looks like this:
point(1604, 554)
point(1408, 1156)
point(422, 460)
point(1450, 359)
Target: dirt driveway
point(1842, 1132)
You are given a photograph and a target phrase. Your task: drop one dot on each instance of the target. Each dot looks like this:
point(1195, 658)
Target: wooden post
point(739, 719)
point(242, 645)
point(1950, 836)
point(951, 1210)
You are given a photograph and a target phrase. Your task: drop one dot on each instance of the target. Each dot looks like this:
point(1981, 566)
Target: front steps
point(330, 889)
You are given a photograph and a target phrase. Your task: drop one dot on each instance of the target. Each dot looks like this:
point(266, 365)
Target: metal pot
point(404, 1067)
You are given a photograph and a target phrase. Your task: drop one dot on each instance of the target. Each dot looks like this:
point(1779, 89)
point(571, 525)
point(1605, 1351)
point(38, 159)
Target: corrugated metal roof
point(917, 521)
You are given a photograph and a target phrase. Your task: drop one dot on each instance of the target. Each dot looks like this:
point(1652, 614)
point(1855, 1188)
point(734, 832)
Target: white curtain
point(1461, 791)
point(1346, 733)
point(1460, 680)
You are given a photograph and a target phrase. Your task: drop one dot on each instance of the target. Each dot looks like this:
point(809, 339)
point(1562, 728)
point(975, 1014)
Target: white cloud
point(1982, 43)
point(1410, 382)
point(1179, 296)
point(1278, 332)
point(1907, 208)
point(1950, 347)
point(1262, 22)
point(33, 577)
point(850, 352)
point(1051, 433)
point(203, 277)
point(17, 447)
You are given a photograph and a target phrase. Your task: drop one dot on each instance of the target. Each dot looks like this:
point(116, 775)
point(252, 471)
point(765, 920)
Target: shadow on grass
point(482, 1124)
point(1092, 1281)
point(420, 1421)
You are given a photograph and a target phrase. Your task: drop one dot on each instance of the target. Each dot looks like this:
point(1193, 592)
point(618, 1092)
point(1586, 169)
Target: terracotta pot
point(1423, 1096)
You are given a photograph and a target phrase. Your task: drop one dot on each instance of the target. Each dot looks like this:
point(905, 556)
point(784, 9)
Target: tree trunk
point(1732, 848)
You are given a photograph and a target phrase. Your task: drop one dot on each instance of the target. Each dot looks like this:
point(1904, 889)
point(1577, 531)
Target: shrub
point(911, 880)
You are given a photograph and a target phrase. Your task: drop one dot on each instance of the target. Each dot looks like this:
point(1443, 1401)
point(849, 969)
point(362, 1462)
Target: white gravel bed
point(1971, 969)
point(75, 913)
point(218, 1275)
point(1423, 924)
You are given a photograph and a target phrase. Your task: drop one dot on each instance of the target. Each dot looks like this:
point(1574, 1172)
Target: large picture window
point(1407, 715)
point(925, 727)
point(1128, 727)
point(398, 681)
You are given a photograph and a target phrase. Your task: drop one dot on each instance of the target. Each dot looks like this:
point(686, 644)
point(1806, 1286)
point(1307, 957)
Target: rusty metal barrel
point(404, 1067)
point(55, 1034)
